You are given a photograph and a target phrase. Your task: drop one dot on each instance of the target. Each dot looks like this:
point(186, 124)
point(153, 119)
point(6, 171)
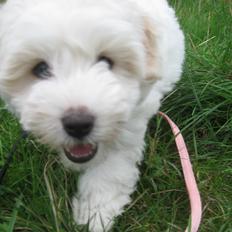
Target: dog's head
point(74, 72)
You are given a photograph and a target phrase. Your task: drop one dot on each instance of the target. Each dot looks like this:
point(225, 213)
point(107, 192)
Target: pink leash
point(190, 182)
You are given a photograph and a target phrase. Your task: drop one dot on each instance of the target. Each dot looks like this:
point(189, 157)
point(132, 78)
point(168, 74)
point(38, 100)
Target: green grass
point(35, 193)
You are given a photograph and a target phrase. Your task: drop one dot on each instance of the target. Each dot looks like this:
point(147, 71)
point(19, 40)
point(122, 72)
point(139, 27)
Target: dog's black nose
point(78, 124)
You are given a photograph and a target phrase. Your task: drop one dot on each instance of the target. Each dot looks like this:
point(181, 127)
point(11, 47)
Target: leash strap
point(10, 155)
point(190, 181)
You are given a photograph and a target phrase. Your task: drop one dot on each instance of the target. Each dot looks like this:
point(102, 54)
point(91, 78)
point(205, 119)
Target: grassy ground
point(35, 193)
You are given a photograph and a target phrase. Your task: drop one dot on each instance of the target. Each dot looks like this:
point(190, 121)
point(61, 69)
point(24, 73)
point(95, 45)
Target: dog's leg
point(105, 189)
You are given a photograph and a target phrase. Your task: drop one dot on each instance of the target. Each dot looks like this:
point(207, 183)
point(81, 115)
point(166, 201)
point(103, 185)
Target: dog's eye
point(42, 70)
point(107, 60)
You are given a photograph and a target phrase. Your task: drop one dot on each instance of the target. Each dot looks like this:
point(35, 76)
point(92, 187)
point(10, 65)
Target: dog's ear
point(150, 45)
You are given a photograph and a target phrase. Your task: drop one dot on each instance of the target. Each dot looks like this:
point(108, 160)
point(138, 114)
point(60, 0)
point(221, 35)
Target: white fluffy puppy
point(85, 77)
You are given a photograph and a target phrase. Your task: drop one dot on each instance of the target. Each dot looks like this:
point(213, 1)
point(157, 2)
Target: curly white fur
point(145, 42)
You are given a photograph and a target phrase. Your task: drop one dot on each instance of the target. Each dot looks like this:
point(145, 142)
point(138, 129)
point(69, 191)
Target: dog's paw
point(98, 215)
point(97, 218)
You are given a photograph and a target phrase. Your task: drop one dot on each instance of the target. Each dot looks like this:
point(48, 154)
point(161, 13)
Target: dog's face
point(74, 77)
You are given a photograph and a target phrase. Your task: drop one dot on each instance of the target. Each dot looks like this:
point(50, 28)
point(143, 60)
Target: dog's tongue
point(81, 150)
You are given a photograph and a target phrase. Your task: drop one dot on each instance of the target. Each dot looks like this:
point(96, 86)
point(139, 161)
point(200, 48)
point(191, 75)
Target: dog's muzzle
point(81, 153)
point(78, 124)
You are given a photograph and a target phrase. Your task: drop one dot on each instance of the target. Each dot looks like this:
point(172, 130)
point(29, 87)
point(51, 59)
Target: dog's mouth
point(81, 153)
